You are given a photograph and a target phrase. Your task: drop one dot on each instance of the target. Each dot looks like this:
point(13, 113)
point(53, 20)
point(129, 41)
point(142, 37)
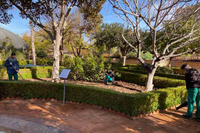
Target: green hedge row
point(130, 104)
point(173, 76)
point(178, 71)
point(27, 73)
point(21, 63)
point(140, 79)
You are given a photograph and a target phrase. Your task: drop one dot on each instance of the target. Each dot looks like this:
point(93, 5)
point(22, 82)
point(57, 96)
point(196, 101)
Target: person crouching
point(110, 76)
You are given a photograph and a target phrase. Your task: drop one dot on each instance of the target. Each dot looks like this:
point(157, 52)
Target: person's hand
point(10, 63)
point(17, 71)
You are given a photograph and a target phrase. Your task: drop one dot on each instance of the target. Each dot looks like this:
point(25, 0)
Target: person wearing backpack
point(192, 79)
point(12, 67)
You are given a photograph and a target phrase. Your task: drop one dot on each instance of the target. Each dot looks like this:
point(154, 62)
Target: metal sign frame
point(64, 75)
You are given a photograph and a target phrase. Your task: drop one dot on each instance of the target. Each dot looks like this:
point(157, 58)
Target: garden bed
point(119, 86)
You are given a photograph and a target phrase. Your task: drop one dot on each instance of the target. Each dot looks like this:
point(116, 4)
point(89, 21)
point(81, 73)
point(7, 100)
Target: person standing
point(192, 79)
point(12, 67)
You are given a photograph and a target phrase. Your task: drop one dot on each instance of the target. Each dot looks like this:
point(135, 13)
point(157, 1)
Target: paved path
point(69, 118)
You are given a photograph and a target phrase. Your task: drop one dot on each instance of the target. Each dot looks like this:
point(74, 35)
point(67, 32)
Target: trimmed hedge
point(178, 71)
point(171, 96)
point(173, 76)
point(36, 72)
point(21, 63)
point(140, 79)
point(130, 104)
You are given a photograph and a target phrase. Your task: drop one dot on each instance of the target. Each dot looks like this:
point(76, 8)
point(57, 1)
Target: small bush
point(41, 54)
point(89, 68)
point(44, 61)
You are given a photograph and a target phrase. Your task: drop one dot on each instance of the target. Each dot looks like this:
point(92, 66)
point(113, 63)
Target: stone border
point(25, 126)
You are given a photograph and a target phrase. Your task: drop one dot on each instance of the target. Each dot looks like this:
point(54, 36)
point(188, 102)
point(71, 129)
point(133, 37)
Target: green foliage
point(164, 70)
point(44, 61)
point(131, 104)
point(93, 68)
point(110, 35)
point(41, 54)
point(145, 55)
point(140, 79)
point(28, 73)
point(88, 68)
point(172, 96)
point(173, 76)
point(20, 55)
point(160, 70)
point(178, 71)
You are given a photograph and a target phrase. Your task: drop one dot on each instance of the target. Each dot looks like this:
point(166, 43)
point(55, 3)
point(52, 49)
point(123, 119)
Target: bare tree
point(160, 19)
point(53, 12)
point(33, 43)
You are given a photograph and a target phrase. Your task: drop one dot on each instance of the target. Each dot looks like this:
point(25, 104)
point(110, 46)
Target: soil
point(117, 86)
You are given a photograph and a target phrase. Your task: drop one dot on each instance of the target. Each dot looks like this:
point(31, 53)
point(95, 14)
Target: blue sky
point(21, 26)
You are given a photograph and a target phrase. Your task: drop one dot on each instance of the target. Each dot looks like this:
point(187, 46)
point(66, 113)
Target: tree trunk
point(149, 83)
point(62, 52)
point(56, 57)
point(62, 57)
point(33, 43)
point(170, 63)
point(124, 60)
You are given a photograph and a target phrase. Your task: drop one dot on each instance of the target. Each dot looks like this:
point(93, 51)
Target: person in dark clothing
point(110, 76)
point(185, 104)
point(12, 67)
point(192, 79)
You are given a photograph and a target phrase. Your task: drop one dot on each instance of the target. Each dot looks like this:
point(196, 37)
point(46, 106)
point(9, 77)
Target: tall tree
point(56, 12)
point(109, 35)
point(33, 43)
point(151, 15)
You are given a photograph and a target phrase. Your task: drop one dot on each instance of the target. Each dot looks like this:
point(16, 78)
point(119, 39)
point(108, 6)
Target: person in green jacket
point(192, 79)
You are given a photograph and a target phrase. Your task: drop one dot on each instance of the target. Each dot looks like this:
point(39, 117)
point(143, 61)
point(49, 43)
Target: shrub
point(89, 68)
point(27, 73)
point(20, 55)
point(44, 61)
point(173, 76)
point(131, 104)
point(171, 96)
point(140, 79)
point(178, 71)
point(164, 70)
point(145, 55)
point(41, 54)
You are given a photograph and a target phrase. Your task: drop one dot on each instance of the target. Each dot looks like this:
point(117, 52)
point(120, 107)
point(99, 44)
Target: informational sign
point(64, 74)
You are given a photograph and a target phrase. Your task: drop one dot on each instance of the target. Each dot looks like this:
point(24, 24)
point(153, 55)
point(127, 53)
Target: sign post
point(64, 74)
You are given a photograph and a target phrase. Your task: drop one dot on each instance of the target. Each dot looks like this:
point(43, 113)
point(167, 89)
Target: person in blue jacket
point(12, 67)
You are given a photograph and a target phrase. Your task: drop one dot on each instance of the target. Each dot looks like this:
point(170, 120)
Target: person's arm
point(7, 63)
